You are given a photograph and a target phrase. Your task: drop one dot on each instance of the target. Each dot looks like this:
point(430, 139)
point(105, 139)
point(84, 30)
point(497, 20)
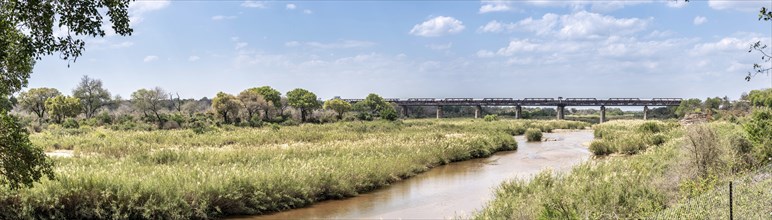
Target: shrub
point(169, 125)
point(630, 145)
point(657, 139)
point(290, 122)
point(491, 117)
point(650, 127)
point(533, 134)
point(389, 114)
point(70, 123)
point(600, 148)
point(758, 129)
point(703, 148)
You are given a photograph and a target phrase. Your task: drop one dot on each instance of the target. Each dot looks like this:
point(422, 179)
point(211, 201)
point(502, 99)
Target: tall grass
point(177, 174)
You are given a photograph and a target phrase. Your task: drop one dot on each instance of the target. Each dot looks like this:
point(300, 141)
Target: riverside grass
point(177, 174)
point(659, 180)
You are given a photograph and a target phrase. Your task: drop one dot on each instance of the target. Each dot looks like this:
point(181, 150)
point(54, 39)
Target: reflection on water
point(456, 189)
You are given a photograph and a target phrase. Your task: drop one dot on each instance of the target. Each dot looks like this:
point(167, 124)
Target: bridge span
point(560, 104)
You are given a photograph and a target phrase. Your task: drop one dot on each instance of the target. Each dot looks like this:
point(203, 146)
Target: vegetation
point(34, 100)
point(177, 174)
point(303, 100)
point(338, 105)
point(533, 134)
point(63, 107)
point(493, 117)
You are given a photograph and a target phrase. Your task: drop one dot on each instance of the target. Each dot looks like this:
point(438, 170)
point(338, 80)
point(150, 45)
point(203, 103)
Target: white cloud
point(290, 6)
point(193, 58)
point(700, 20)
point(222, 17)
point(344, 44)
point(306, 11)
point(581, 24)
point(150, 58)
point(675, 3)
point(495, 6)
point(124, 44)
point(746, 5)
point(485, 53)
point(440, 46)
point(595, 5)
point(727, 44)
point(516, 46)
point(253, 4)
point(240, 45)
point(138, 8)
point(438, 26)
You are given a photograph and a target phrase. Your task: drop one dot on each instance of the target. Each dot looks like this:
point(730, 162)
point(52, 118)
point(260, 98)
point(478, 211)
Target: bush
point(657, 139)
point(703, 147)
point(389, 114)
point(533, 134)
point(491, 117)
point(630, 146)
point(290, 122)
point(70, 123)
point(758, 129)
point(650, 127)
point(600, 148)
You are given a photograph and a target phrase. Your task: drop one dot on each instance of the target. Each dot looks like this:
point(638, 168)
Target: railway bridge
point(560, 104)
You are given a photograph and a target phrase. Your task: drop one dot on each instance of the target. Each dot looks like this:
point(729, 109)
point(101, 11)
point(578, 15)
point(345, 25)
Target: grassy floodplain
point(177, 174)
point(648, 173)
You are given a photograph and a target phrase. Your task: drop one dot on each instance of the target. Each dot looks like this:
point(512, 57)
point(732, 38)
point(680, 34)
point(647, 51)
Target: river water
point(456, 189)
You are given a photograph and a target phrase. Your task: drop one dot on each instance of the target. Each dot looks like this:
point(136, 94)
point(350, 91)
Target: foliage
point(389, 113)
point(302, 100)
point(34, 100)
point(688, 106)
point(22, 163)
point(491, 117)
point(70, 123)
point(533, 134)
point(253, 102)
point(226, 105)
point(149, 101)
point(374, 106)
point(92, 94)
point(702, 148)
point(338, 105)
point(759, 129)
point(62, 107)
point(761, 98)
point(270, 94)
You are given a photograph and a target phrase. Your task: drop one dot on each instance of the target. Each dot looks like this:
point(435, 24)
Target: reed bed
point(177, 174)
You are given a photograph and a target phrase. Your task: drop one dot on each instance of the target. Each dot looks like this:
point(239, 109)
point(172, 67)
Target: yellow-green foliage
point(533, 134)
point(629, 136)
point(178, 174)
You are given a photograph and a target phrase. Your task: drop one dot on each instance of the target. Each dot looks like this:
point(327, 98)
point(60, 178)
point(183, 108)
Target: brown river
point(456, 189)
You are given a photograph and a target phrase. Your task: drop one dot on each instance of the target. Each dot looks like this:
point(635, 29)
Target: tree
point(375, 105)
point(62, 107)
point(688, 106)
point(27, 29)
point(271, 95)
point(34, 100)
point(226, 105)
point(149, 101)
point(92, 94)
point(761, 98)
point(302, 100)
point(338, 105)
point(253, 101)
point(192, 107)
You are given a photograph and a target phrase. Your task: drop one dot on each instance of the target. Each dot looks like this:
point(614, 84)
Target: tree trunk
point(302, 115)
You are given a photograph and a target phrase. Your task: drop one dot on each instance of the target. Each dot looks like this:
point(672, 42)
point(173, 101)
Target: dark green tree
point(271, 95)
point(688, 106)
point(63, 107)
point(92, 94)
point(303, 100)
point(27, 34)
point(226, 105)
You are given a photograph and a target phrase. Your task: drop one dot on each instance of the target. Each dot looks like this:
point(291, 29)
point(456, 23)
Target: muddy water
point(456, 189)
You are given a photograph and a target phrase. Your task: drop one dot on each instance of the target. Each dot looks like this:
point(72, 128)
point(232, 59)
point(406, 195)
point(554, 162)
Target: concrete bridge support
point(645, 112)
point(518, 112)
point(602, 113)
point(477, 111)
point(404, 112)
point(439, 111)
point(561, 110)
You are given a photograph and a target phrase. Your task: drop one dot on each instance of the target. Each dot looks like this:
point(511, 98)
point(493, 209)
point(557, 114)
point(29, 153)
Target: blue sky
point(437, 49)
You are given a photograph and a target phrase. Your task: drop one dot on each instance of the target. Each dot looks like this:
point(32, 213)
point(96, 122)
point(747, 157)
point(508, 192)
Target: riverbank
point(242, 171)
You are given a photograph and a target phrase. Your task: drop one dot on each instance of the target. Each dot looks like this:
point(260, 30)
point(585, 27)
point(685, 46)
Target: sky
point(440, 49)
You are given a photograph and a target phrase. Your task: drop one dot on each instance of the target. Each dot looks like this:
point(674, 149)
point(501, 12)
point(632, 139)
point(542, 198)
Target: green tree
point(758, 128)
point(22, 164)
point(92, 94)
point(688, 106)
point(270, 95)
point(62, 107)
point(34, 100)
point(253, 101)
point(337, 105)
point(761, 98)
point(374, 105)
point(27, 34)
point(226, 105)
point(149, 101)
point(302, 100)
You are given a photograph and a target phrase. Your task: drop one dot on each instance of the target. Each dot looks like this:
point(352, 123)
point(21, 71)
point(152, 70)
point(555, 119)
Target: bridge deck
point(532, 102)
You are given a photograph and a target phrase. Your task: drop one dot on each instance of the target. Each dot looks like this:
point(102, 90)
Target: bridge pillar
point(477, 111)
point(602, 113)
point(518, 112)
point(645, 112)
point(561, 110)
point(439, 111)
point(404, 112)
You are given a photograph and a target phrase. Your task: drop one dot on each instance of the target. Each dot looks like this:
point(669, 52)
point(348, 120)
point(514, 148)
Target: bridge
point(559, 103)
